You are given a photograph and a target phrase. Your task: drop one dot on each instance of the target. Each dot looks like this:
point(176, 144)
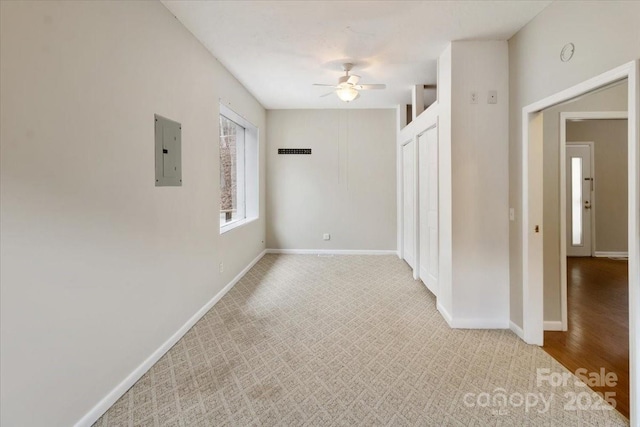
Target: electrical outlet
point(512, 214)
point(326, 236)
point(221, 267)
point(493, 97)
point(473, 98)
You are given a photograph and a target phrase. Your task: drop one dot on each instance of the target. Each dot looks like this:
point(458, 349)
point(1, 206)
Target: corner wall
point(99, 266)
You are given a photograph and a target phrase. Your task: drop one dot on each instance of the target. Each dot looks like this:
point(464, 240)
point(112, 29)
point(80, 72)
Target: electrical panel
point(168, 152)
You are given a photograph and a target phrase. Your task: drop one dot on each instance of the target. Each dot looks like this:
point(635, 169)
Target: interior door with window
point(580, 186)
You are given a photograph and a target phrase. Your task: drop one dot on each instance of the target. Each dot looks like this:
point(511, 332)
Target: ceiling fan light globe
point(347, 94)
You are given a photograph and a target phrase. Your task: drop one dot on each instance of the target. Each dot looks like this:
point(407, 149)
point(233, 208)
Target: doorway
point(595, 273)
point(532, 214)
point(608, 218)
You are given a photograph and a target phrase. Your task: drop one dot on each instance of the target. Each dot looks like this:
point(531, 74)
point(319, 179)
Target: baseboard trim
point(552, 325)
point(516, 330)
point(604, 254)
point(331, 252)
point(471, 323)
point(479, 324)
point(430, 286)
point(103, 405)
point(445, 314)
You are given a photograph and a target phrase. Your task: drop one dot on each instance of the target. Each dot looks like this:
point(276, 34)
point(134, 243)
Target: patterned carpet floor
point(349, 341)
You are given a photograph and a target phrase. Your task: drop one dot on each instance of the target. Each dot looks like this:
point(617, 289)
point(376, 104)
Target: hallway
point(598, 335)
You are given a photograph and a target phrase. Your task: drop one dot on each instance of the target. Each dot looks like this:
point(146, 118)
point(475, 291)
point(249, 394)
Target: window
point(576, 201)
point(238, 170)
point(231, 171)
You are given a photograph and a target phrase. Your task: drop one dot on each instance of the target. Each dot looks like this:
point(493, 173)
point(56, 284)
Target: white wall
point(479, 154)
point(100, 267)
point(606, 35)
point(473, 187)
point(611, 99)
point(346, 187)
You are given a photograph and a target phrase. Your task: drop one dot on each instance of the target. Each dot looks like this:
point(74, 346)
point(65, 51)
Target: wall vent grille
point(294, 150)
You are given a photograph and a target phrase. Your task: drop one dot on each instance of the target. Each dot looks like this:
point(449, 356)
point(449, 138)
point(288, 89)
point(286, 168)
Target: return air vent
point(294, 150)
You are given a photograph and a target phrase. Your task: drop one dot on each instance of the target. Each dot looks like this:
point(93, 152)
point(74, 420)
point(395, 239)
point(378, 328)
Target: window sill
point(228, 227)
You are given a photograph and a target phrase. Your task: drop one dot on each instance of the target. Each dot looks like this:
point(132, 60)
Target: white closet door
point(408, 185)
point(428, 188)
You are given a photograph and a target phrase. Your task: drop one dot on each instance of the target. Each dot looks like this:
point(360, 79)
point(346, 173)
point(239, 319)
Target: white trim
point(471, 323)
point(634, 242)
point(611, 254)
point(423, 121)
point(225, 110)
point(332, 251)
point(106, 402)
point(400, 197)
point(445, 314)
point(594, 115)
point(516, 330)
point(416, 208)
point(553, 325)
point(401, 117)
point(235, 224)
point(458, 323)
point(532, 283)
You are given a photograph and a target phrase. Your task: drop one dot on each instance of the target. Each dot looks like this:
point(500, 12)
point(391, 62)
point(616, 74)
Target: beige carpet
point(346, 341)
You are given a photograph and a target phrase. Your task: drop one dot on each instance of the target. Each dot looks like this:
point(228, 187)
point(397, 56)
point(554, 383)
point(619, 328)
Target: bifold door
point(408, 188)
point(428, 194)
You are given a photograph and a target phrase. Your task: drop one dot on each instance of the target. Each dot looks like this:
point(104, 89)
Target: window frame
point(247, 168)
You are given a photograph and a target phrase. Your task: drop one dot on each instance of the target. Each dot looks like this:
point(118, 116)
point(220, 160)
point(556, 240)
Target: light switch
point(168, 152)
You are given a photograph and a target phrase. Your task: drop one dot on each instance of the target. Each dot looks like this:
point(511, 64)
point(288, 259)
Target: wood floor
point(598, 315)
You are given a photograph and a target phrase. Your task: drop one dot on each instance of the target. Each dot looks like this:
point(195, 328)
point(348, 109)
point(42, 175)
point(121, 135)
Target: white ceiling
point(277, 49)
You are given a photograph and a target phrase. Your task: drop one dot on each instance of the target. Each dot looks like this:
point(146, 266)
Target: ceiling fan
point(348, 88)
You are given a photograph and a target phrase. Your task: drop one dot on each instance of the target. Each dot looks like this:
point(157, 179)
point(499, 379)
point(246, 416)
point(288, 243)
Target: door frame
point(532, 250)
point(564, 118)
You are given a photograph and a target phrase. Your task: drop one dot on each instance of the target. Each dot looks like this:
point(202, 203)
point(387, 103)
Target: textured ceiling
point(277, 49)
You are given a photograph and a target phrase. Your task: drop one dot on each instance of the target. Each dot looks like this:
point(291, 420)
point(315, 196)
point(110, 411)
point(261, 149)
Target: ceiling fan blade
point(369, 87)
point(327, 94)
point(353, 79)
point(320, 84)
